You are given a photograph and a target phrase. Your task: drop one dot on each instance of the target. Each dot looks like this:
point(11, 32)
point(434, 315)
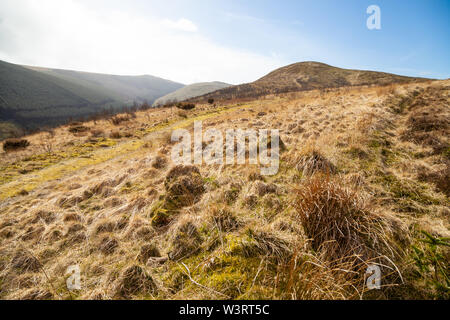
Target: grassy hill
point(363, 180)
point(305, 76)
point(191, 91)
point(35, 97)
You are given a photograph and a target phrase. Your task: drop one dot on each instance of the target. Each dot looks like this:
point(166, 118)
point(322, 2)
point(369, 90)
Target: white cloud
point(66, 34)
point(181, 24)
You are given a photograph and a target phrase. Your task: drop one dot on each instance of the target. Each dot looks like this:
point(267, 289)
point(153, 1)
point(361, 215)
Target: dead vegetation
point(340, 221)
point(312, 161)
point(363, 171)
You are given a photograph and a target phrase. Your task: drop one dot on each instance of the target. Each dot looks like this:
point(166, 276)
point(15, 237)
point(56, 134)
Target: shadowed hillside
point(305, 76)
point(34, 97)
point(122, 88)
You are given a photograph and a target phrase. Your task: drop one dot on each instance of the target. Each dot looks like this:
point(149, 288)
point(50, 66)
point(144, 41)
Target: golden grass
point(308, 232)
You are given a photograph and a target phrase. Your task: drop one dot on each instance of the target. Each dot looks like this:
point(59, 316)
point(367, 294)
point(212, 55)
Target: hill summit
point(305, 76)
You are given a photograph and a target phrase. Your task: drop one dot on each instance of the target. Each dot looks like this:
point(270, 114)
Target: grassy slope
point(99, 203)
point(191, 91)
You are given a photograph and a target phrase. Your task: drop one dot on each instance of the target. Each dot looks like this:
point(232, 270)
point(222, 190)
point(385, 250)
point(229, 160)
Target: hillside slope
point(36, 97)
point(363, 180)
point(304, 76)
point(123, 88)
point(191, 91)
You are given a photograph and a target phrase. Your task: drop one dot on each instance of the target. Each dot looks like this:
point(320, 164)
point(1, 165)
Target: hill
point(304, 76)
point(191, 91)
point(34, 97)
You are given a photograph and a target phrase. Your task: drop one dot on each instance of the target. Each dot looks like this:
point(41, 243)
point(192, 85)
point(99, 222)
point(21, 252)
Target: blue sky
point(232, 41)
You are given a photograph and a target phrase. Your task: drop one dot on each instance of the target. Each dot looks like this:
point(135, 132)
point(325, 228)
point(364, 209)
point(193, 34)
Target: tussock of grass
point(135, 280)
point(339, 220)
point(312, 161)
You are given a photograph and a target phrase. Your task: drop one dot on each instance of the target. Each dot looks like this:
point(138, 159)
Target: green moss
point(130, 187)
point(389, 156)
point(228, 270)
point(160, 214)
point(430, 255)
point(374, 144)
point(419, 155)
point(357, 153)
point(446, 153)
point(211, 182)
point(405, 189)
point(56, 171)
point(234, 275)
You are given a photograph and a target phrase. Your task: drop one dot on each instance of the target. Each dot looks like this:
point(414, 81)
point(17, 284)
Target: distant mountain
point(32, 97)
point(191, 91)
point(305, 76)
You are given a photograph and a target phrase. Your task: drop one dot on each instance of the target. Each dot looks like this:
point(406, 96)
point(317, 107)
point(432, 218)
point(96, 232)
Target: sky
point(232, 41)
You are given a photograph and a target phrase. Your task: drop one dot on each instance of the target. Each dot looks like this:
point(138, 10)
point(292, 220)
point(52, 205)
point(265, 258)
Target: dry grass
point(311, 161)
point(340, 221)
point(122, 211)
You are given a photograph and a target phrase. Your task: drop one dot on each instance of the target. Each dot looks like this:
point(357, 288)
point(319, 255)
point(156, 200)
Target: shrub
point(78, 128)
point(15, 144)
point(210, 101)
point(323, 280)
point(185, 190)
point(186, 106)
